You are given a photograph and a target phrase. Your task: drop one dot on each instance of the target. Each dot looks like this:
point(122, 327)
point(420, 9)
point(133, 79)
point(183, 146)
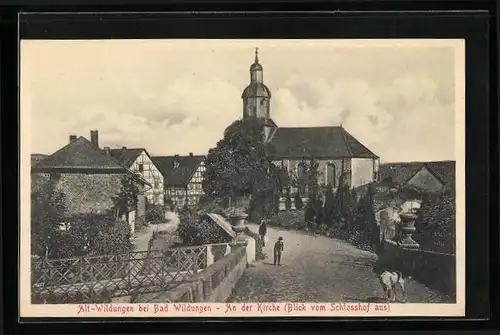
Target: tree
point(47, 214)
point(329, 203)
point(127, 198)
point(240, 165)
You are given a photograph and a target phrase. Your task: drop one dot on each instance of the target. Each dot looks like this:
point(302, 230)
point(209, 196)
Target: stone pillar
point(408, 228)
point(210, 255)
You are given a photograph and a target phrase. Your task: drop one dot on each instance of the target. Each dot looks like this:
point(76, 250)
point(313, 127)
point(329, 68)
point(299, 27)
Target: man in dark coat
point(263, 231)
point(278, 250)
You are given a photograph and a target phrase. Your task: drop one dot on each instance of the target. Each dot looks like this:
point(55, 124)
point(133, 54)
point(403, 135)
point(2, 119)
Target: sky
point(178, 96)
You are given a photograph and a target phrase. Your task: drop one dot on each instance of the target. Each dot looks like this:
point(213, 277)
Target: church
point(338, 153)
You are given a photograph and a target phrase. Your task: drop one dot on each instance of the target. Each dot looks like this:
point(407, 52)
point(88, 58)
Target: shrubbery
point(92, 234)
point(193, 229)
point(155, 213)
point(436, 224)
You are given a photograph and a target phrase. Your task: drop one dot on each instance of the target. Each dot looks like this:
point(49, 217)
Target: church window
point(331, 175)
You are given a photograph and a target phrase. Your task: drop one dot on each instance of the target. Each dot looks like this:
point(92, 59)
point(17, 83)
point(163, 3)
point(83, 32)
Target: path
point(141, 238)
point(318, 269)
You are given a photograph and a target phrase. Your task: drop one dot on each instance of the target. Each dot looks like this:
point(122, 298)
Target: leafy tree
point(329, 204)
point(240, 165)
point(127, 198)
point(47, 215)
point(307, 180)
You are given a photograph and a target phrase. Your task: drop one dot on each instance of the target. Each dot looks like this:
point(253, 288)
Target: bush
point(197, 230)
point(155, 214)
point(288, 219)
point(436, 224)
point(115, 240)
point(94, 234)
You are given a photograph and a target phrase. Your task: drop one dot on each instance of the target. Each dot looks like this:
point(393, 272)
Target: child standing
point(278, 249)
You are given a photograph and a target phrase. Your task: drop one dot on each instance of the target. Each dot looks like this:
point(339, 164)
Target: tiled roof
point(317, 142)
point(79, 154)
point(177, 176)
point(35, 158)
point(125, 156)
point(400, 173)
point(444, 170)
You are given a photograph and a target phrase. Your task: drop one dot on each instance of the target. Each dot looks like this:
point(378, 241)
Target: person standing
point(263, 231)
point(278, 250)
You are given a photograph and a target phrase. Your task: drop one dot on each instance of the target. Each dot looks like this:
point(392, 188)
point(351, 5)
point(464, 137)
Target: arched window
point(331, 175)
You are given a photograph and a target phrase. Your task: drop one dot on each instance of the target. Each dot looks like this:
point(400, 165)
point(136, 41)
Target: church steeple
point(256, 95)
point(256, 71)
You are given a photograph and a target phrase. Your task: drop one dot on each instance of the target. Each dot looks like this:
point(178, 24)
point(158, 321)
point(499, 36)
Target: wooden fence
point(99, 278)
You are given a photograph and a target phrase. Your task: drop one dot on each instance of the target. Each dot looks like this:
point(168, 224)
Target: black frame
point(481, 108)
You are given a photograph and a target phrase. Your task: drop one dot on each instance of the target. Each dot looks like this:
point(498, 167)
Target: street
point(318, 269)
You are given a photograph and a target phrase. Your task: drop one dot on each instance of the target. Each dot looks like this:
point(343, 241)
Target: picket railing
point(99, 278)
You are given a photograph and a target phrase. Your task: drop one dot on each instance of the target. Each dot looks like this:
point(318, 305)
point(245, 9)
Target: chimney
point(124, 148)
point(107, 150)
point(94, 137)
point(72, 138)
point(191, 154)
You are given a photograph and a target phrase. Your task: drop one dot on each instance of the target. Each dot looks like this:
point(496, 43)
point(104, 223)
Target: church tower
point(256, 96)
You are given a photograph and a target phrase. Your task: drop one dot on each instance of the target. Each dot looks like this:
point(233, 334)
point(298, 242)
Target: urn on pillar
point(407, 229)
point(238, 221)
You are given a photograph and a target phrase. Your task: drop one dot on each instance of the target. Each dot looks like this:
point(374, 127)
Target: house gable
point(425, 179)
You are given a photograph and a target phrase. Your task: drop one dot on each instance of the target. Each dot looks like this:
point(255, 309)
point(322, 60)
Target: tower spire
point(256, 55)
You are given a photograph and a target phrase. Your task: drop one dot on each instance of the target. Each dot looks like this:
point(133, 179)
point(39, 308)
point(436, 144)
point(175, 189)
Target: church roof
point(80, 154)
point(256, 90)
point(180, 175)
point(317, 142)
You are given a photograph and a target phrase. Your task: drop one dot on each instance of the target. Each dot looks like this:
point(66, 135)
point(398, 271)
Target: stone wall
point(436, 270)
point(84, 193)
point(214, 284)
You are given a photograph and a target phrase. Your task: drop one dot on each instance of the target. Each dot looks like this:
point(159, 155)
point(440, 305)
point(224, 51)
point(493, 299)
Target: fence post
point(195, 262)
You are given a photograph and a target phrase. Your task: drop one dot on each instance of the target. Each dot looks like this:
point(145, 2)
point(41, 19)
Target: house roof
point(126, 156)
point(445, 170)
point(35, 158)
point(180, 175)
point(79, 154)
point(400, 173)
point(317, 142)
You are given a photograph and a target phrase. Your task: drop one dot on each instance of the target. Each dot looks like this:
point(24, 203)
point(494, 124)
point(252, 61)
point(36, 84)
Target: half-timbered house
point(182, 179)
point(139, 161)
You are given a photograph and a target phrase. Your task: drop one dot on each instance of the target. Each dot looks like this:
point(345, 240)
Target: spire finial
point(257, 55)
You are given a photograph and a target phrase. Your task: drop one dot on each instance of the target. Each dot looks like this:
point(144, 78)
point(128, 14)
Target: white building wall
point(152, 175)
point(361, 171)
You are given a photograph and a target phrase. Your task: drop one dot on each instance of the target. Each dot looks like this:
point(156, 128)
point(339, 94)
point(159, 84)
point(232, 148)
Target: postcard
point(230, 178)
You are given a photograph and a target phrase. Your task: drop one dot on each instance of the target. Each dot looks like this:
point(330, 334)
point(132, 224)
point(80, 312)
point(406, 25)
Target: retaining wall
point(436, 270)
point(213, 284)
